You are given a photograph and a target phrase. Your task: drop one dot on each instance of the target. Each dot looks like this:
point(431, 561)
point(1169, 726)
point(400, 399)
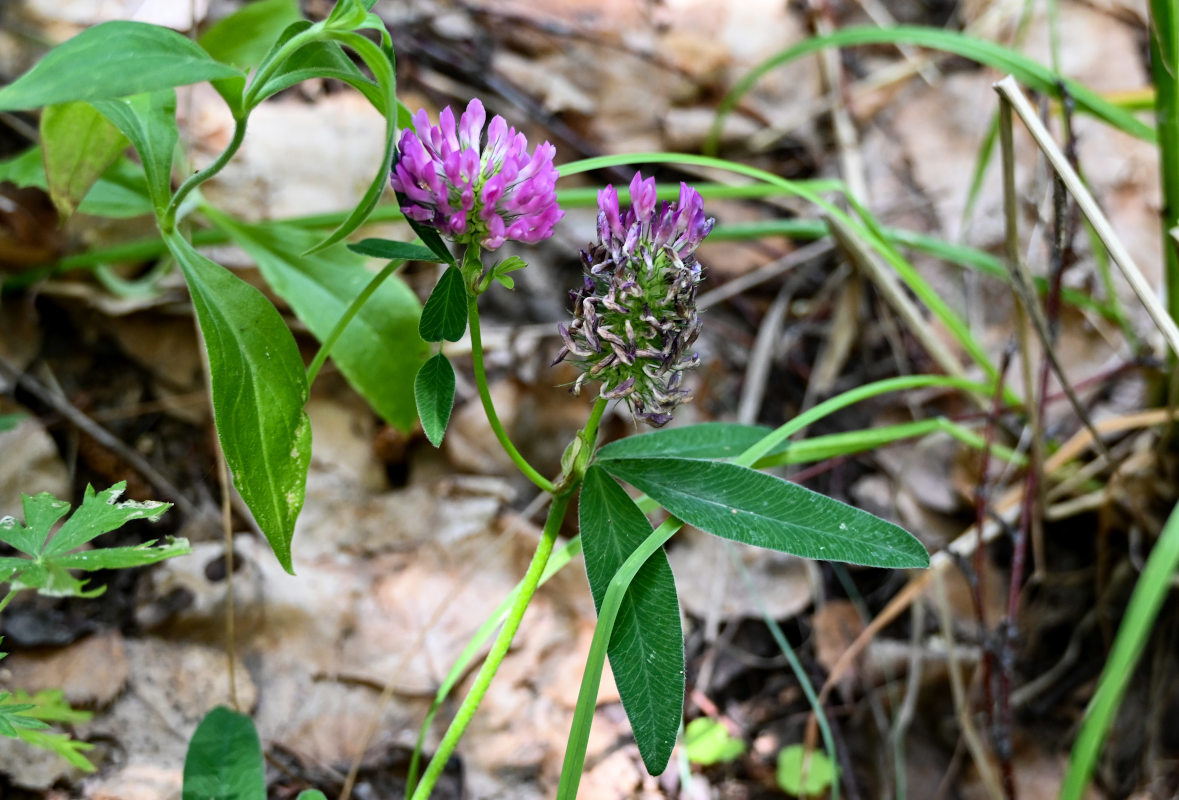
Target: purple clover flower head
point(634, 318)
point(474, 192)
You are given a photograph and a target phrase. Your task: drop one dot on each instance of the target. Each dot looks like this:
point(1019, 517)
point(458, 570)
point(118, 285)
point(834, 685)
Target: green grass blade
point(1152, 588)
point(1030, 73)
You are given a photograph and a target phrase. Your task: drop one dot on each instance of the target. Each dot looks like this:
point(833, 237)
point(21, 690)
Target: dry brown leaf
point(92, 671)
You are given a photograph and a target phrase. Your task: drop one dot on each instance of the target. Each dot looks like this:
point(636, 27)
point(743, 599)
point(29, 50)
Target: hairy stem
point(168, 220)
point(499, 648)
point(349, 314)
point(497, 427)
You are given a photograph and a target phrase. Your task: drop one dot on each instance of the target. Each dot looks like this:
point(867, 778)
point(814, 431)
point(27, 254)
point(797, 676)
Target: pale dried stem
point(1010, 91)
point(968, 540)
point(974, 741)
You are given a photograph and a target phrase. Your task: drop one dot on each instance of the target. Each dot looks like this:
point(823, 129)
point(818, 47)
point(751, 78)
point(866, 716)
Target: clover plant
point(464, 191)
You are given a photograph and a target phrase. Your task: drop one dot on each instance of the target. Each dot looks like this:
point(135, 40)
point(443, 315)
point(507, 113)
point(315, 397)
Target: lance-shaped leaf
point(394, 251)
point(752, 507)
point(113, 59)
point(380, 350)
point(646, 648)
point(707, 440)
point(259, 390)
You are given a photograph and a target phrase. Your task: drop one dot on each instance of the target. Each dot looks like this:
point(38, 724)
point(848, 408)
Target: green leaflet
point(744, 505)
point(445, 313)
point(433, 389)
point(646, 648)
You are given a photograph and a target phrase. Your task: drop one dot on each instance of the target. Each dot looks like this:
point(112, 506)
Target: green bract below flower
point(634, 319)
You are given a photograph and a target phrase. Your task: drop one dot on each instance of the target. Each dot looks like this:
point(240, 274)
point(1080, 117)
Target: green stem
point(168, 220)
point(485, 395)
point(499, 649)
point(267, 69)
point(352, 310)
point(1164, 62)
point(557, 562)
point(7, 599)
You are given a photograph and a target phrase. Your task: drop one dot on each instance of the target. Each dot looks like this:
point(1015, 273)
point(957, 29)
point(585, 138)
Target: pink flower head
point(634, 318)
point(474, 192)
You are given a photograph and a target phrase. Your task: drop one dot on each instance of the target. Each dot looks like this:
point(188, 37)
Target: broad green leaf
point(445, 313)
point(709, 440)
point(113, 59)
point(708, 742)
point(311, 794)
point(244, 37)
point(748, 506)
point(393, 251)
point(259, 390)
point(434, 393)
point(379, 59)
point(802, 776)
point(149, 121)
point(79, 145)
point(380, 350)
point(647, 646)
point(224, 760)
point(47, 568)
point(121, 192)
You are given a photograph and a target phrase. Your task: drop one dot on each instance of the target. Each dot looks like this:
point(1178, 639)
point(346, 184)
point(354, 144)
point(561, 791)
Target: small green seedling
point(708, 742)
point(802, 775)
